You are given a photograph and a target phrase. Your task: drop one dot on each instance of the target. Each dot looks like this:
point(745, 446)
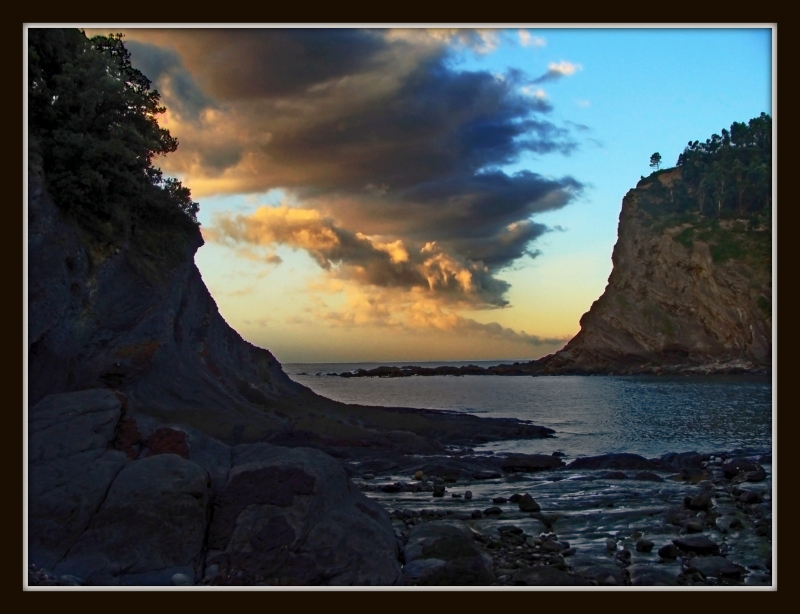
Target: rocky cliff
point(687, 293)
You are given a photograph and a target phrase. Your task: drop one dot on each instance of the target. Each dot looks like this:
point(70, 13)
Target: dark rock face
point(291, 516)
point(165, 345)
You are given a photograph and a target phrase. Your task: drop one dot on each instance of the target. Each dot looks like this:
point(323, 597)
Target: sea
point(591, 415)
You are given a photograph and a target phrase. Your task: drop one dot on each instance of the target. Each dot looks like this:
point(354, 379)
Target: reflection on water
point(647, 415)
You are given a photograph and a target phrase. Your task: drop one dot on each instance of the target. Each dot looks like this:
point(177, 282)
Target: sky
point(428, 194)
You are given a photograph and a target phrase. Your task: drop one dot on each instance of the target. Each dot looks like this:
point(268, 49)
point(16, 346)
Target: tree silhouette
point(655, 160)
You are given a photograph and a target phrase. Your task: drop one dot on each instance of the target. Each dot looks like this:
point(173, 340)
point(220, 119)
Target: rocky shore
point(121, 499)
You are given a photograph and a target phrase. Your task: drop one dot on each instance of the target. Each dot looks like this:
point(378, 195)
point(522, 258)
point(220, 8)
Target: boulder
point(151, 526)
point(444, 553)
point(292, 516)
point(716, 567)
point(739, 465)
point(527, 504)
point(70, 468)
point(699, 544)
point(530, 462)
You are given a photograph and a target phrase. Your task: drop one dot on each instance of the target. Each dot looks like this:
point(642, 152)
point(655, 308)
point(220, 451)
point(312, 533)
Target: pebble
point(468, 494)
point(491, 511)
point(670, 551)
point(644, 545)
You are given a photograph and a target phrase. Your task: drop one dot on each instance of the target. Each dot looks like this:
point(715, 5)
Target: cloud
point(527, 40)
point(558, 70)
point(392, 155)
point(367, 261)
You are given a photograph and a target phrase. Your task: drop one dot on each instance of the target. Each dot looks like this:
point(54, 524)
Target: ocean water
point(647, 415)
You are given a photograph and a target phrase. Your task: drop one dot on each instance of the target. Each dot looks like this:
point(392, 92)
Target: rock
point(486, 475)
point(444, 553)
point(391, 488)
point(292, 515)
point(647, 575)
point(611, 545)
point(735, 524)
point(699, 544)
point(180, 579)
point(548, 520)
point(694, 526)
point(750, 497)
point(438, 490)
point(368, 476)
point(499, 500)
point(477, 514)
point(765, 460)
point(615, 461)
point(644, 545)
point(528, 504)
point(419, 475)
point(515, 498)
point(738, 465)
point(167, 440)
point(764, 530)
point(758, 475)
point(492, 511)
point(669, 552)
point(152, 523)
point(545, 576)
point(716, 567)
point(70, 468)
point(509, 529)
point(690, 462)
point(468, 494)
point(699, 502)
point(530, 462)
point(456, 495)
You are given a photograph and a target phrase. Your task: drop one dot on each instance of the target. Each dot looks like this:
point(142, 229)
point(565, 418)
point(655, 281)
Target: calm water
point(646, 415)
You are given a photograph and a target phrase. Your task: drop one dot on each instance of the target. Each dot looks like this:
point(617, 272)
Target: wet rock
point(515, 498)
point(368, 476)
point(759, 475)
point(689, 462)
point(545, 576)
point(738, 465)
point(647, 575)
point(511, 529)
point(736, 523)
point(528, 504)
point(669, 552)
point(616, 461)
point(644, 545)
point(468, 494)
point(763, 530)
point(611, 545)
point(765, 460)
point(444, 553)
point(499, 500)
point(419, 475)
point(492, 511)
point(701, 501)
point(750, 497)
point(716, 567)
point(530, 462)
point(699, 544)
point(600, 573)
point(548, 520)
point(694, 526)
point(438, 490)
point(456, 495)
point(390, 488)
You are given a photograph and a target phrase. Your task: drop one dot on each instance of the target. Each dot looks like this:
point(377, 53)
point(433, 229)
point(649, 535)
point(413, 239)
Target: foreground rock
point(105, 516)
point(444, 553)
point(293, 517)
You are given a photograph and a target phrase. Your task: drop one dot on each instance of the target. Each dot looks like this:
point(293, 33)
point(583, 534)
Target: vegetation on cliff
point(94, 135)
point(719, 193)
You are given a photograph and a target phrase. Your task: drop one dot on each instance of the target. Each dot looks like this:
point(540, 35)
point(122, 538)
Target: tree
point(93, 130)
point(655, 160)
